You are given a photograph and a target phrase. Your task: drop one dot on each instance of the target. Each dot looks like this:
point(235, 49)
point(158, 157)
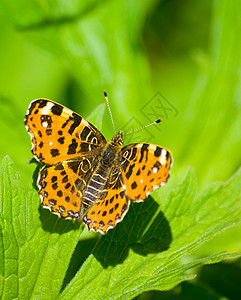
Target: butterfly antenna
point(107, 101)
point(137, 129)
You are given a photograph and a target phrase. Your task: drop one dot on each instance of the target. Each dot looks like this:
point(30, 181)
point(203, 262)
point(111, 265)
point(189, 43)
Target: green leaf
point(36, 245)
point(131, 259)
point(147, 250)
point(96, 116)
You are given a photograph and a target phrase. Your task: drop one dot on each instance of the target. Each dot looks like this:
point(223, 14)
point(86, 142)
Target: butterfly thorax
point(97, 182)
point(111, 150)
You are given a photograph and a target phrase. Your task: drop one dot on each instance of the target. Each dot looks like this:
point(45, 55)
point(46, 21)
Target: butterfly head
point(118, 138)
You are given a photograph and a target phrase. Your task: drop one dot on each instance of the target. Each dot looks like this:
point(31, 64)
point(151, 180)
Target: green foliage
point(141, 254)
point(69, 51)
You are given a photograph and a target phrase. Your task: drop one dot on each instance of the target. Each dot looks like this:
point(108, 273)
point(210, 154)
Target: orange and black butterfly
point(83, 175)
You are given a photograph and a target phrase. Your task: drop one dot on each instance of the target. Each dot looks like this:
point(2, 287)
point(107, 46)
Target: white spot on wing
point(141, 181)
point(41, 197)
point(49, 104)
point(85, 122)
point(154, 170)
point(152, 147)
point(50, 143)
point(163, 157)
point(45, 110)
point(67, 111)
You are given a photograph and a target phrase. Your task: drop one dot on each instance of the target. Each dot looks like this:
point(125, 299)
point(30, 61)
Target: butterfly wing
point(61, 185)
point(144, 168)
point(59, 134)
point(70, 147)
point(111, 206)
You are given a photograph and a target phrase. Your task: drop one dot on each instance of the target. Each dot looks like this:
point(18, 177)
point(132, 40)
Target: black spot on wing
point(33, 104)
point(157, 165)
point(76, 121)
point(72, 147)
point(44, 173)
point(54, 178)
point(40, 155)
point(49, 131)
point(55, 186)
point(42, 103)
point(57, 109)
point(73, 165)
point(73, 190)
point(124, 208)
point(61, 208)
point(61, 140)
point(128, 174)
point(78, 184)
point(46, 119)
point(52, 202)
point(158, 151)
point(134, 185)
point(133, 153)
point(59, 193)
point(125, 164)
point(65, 179)
point(101, 223)
point(59, 167)
point(144, 149)
point(84, 133)
point(54, 152)
point(43, 184)
point(84, 147)
point(67, 186)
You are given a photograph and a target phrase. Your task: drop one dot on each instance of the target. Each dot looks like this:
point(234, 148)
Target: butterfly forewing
point(59, 134)
point(144, 168)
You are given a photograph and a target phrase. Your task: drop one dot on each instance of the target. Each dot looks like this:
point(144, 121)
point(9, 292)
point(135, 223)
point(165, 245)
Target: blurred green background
point(178, 60)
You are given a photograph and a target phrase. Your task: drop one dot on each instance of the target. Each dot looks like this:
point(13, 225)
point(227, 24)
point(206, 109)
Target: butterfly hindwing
point(144, 168)
point(59, 134)
point(111, 206)
point(61, 185)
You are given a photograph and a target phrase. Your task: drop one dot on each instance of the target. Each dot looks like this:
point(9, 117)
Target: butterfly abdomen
point(99, 178)
point(94, 187)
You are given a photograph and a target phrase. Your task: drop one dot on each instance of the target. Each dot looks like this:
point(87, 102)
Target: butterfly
point(84, 176)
